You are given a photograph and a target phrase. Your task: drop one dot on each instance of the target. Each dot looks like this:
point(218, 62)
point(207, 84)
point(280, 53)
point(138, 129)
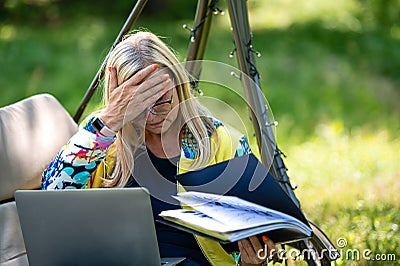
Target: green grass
point(348, 185)
point(332, 84)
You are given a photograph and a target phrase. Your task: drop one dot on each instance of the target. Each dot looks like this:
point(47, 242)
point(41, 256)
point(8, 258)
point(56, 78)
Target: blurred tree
point(2, 9)
point(50, 11)
point(380, 14)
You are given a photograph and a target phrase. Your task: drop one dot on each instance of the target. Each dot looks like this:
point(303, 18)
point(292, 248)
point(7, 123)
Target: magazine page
point(233, 211)
point(196, 219)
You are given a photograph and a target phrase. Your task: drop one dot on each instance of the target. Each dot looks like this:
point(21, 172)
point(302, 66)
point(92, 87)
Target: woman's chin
point(158, 128)
point(154, 130)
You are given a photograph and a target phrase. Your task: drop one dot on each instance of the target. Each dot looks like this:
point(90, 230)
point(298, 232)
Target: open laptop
point(89, 227)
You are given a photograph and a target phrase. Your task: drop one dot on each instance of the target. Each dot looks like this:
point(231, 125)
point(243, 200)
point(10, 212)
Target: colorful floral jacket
point(88, 157)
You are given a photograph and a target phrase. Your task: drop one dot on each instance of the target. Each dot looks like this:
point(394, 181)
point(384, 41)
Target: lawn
point(332, 83)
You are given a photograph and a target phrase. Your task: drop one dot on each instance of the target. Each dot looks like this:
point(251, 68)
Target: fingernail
point(166, 75)
point(264, 238)
point(155, 66)
point(164, 90)
point(110, 68)
point(168, 81)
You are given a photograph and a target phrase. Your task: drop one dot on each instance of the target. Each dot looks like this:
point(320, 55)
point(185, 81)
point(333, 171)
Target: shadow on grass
point(312, 74)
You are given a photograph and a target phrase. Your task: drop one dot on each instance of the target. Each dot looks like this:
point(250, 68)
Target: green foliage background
point(330, 71)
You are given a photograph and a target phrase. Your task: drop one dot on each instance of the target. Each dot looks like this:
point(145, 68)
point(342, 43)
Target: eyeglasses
point(164, 107)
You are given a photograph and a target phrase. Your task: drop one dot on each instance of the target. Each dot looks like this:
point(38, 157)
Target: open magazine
point(229, 218)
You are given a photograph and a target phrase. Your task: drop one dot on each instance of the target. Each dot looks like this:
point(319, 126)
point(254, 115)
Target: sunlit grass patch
point(348, 185)
point(281, 14)
point(343, 166)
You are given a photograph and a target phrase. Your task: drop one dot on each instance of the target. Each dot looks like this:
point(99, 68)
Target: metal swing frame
point(319, 248)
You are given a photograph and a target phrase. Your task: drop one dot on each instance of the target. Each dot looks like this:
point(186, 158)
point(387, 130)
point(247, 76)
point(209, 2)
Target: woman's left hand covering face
point(77, 160)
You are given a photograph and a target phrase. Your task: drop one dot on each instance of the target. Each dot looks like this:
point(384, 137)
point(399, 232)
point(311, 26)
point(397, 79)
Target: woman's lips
point(158, 124)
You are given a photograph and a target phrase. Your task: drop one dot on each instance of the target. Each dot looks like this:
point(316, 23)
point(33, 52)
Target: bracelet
point(236, 256)
point(102, 129)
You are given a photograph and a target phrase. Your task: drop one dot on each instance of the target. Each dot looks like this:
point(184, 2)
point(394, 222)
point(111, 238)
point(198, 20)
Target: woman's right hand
point(139, 92)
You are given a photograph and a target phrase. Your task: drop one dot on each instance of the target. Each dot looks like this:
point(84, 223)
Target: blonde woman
point(150, 129)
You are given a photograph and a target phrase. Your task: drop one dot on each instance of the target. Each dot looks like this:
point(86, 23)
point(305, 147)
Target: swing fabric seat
point(31, 133)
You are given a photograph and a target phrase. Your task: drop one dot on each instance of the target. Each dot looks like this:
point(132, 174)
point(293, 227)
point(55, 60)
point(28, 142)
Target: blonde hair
point(135, 52)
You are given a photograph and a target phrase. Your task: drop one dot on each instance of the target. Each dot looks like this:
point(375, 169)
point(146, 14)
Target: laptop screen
point(88, 227)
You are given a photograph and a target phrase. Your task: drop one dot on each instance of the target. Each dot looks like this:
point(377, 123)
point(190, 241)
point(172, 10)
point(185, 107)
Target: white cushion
point(12, 248)
point(31, 133)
